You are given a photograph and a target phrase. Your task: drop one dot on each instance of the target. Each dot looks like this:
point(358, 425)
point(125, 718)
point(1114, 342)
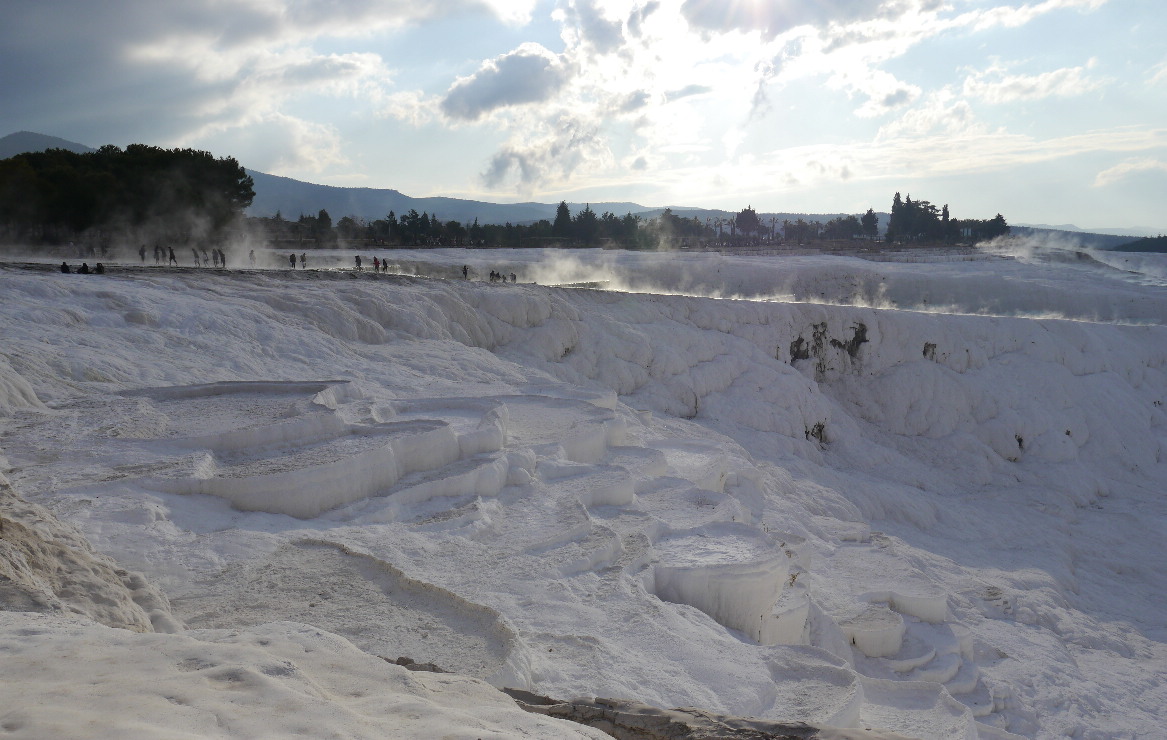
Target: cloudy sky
point(1048, 111)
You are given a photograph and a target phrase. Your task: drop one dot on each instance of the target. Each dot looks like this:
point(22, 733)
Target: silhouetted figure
point(222, 258)
point(142, 253)
point(465, 272)
point(215, 256)
point(358, 261)
point(376, 265)
point(292, 259)
point(99, 269)
point(157, 254)
point(303, 260)
point(173, 259)
point(514, 279)
point(84, 269)
point(65, 267)
point(251, 256)
point(196, 256)
point(384, 266)
point(206, 261)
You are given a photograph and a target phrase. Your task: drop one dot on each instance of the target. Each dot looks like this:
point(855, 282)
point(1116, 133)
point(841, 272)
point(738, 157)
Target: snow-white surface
point(70, 680)
point(908, 492)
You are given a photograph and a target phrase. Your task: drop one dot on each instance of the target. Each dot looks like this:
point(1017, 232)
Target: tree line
point(145, 193)
point(914, 221)
point(140, 192)
point(413, 229)
point(910, 222)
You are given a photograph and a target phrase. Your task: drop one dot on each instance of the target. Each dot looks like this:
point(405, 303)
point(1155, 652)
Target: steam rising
point(1061, 279)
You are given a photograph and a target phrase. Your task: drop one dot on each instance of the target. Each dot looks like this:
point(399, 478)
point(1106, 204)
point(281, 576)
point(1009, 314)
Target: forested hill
point(292, 197)
point(1081, 239)
point(1155, 244)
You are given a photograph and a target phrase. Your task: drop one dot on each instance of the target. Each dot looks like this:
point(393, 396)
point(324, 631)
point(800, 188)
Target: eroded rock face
point(49, 566)
point(631, 720)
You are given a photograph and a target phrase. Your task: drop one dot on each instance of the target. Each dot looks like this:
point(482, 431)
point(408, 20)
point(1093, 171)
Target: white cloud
point(884, 92)
point(167, 72)
point(514, 12)
point(1009, 16)
point(592, 26)
point(529, 74)
point(1158, 74)
point(1128, 168)
point(410, 106)
point(640, 89)
point(549, 151)
point(792, 171)
point(940, 113)
point(277, 143)
point(994, 86)
point(687, 91)
point(989, 151)
point(772, 18)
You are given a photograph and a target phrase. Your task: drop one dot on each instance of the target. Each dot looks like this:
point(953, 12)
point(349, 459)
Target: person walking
point(196, 257)
point(292, 260)
point(142, 253)
point(303, 260)
point(173, 259)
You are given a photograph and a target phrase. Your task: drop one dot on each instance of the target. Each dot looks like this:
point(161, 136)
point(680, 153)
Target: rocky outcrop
point(630, 720)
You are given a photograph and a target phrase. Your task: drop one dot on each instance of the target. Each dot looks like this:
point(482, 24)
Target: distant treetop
point(181, 192)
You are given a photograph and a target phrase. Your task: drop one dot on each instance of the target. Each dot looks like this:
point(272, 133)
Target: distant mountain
point(1136, 231)
point(293, 197)
point(27, 141)
point(1080, 239)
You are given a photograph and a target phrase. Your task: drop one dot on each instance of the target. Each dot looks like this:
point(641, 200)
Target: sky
point(1048, 111)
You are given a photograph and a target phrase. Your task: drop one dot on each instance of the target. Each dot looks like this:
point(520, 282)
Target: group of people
point(161, 254)
point(217, 257)
point(98, 269)
point(379, 265)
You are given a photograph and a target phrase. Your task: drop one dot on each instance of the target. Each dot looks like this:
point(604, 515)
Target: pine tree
point(562, 226)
